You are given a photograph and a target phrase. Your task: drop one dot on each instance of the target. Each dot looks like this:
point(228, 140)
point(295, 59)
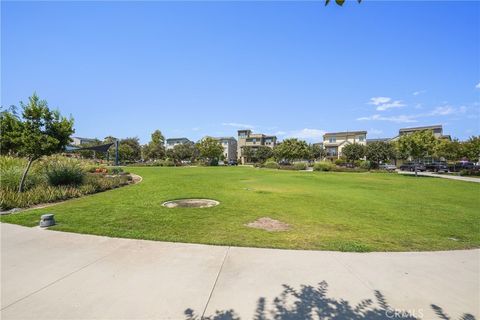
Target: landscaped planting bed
point(53, 179)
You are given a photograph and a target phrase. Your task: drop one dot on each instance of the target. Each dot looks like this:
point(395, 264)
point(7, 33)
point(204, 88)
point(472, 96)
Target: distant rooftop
point(377, 139)
point(438, 126)
point(178, 139)
point(345, 132)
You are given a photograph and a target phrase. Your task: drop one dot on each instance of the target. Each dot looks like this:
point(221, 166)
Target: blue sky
point(289, 68)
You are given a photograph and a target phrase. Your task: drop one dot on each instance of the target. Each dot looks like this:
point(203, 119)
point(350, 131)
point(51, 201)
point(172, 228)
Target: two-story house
point(334, 142)
point(254, 140)
point(172, 142)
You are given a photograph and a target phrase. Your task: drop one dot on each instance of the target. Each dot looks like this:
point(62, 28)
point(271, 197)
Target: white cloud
point(280, 133)
point(397, 119)
point(477, 86)
point(307, 134)
point(238, 125)
point(385, 103)
point(447, 110)
point(419, 92)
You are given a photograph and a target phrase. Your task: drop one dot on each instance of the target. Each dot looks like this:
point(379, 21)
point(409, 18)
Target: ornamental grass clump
point(65, 172)
point(323, 166)
point(11, 169)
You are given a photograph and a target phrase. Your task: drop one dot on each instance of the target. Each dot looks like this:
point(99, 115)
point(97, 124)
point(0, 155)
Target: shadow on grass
point(312, 303)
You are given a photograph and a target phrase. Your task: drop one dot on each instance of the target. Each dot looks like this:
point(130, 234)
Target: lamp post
point(116, 152)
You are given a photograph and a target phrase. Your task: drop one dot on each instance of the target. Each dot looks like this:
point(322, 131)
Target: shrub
point(171, 163)
point(340, 162)
point(323, 166)
point(365, 165)
point(271, 165)
point(115, 170)
point(357, 163)
point(465, 172)
point(300, 166)
point(62, 172)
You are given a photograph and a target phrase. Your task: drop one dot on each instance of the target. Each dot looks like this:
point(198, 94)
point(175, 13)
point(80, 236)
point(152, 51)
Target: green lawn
point(327, 211)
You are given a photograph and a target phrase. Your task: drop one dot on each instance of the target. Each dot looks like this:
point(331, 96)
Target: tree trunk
point(24, 175)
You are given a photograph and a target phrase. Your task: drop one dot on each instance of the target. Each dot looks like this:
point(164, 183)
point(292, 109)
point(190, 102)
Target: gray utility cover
point(47, 220)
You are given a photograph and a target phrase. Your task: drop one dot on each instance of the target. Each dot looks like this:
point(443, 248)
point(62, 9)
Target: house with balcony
point(246, 138)
point(229, 145)
point(172, 142)
point(334, 142)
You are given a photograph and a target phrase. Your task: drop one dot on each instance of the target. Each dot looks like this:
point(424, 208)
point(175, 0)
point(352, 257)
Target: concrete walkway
point(444, 176)
point(56, 275)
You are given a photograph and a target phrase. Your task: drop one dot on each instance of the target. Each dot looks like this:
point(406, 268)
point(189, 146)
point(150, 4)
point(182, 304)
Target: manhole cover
point(191, 203)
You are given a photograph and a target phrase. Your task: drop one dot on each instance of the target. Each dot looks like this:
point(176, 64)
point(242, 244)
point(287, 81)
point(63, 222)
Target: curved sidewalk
point(57, 275)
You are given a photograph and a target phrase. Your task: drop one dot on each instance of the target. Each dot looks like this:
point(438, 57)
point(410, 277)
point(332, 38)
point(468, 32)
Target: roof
point(80, 138)
point(438, 126)
point(378, 139)
point(344, 132)
point(224, 138)
point(177, 139)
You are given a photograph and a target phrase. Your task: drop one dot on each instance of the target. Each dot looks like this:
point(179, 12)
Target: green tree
point(291, 149)
point(317, 152)
point(184, 151)
point(379, 151)
point(353, 152)
point(472, 148)
point(417, 145)
point(155, 149)
point(42, 132)
point(449, 150)
point(129, 149)
point(210, 149)
point(262, 153)
point(248, 153)
point(10, 131)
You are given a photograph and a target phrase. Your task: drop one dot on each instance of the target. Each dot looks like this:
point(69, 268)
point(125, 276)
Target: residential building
point(172, 142)
point(229, 145)
point(335, 141)
point(248, 139)
point(77, 141)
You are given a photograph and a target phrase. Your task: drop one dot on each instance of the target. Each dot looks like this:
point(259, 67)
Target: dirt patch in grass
point(269, 224)
point(191, 203)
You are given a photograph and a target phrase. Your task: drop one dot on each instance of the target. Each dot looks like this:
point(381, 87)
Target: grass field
point(326, 211)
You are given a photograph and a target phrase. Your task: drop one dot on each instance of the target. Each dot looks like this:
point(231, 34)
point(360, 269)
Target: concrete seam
point(353, 273)
point(215, 283)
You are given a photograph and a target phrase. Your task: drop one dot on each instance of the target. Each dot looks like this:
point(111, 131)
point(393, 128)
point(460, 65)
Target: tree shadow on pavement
point(312, 303)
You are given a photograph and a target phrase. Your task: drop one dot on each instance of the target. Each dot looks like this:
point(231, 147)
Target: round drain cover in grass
point(191, 203)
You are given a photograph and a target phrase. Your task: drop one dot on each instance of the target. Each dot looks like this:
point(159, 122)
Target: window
point(254, 140)
point(361, 138)
point(332, 140)
point(332, 151)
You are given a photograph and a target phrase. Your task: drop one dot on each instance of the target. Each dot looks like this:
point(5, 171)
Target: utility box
point(47, 220)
